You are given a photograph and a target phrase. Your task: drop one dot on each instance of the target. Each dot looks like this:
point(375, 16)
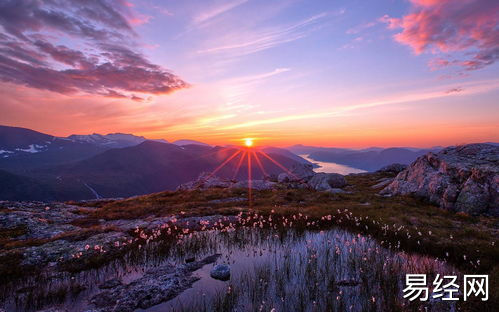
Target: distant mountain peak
point(188, 142)
point(112, 140)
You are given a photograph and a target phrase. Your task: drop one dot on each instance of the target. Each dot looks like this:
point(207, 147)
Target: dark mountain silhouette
point(147, 168)
point(22, 150)
point(16, 187)
point(15, 138)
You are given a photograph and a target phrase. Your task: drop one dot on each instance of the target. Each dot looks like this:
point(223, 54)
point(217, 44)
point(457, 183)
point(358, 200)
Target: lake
point(330, 167)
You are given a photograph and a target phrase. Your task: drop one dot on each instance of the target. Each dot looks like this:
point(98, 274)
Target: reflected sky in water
point(330, 167)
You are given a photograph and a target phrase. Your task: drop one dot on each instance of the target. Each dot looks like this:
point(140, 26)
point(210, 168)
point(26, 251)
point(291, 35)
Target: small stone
point(221, 272)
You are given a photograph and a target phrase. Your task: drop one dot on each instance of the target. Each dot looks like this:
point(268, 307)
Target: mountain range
point(38, 166)
point(369, 159)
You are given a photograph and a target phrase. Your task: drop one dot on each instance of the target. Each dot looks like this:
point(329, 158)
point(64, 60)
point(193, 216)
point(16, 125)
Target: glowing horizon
point(344, 74)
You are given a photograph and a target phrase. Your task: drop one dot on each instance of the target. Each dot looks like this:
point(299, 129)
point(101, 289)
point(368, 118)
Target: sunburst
point(251, 154)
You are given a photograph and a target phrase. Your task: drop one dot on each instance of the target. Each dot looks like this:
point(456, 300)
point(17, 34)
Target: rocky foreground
point(300, 176)
point(461, 179)
point(56, 237)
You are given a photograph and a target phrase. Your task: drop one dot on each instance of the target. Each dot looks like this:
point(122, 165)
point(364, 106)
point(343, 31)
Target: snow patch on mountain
point(33, 148)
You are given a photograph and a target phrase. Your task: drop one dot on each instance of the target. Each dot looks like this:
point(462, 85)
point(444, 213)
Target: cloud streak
point(473, 88)
point(468, 27)
point(207, 15)
point(266, 39)
point(31, 55)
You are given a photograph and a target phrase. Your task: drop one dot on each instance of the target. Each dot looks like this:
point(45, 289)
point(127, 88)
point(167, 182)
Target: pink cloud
point(139, 19)
point(108, 65)
point(468, 27)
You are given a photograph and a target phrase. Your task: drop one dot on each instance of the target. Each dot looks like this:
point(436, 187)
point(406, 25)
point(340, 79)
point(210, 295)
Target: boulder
point(205, 181)
point(220, 272)
point(327, 181)
point(303, 171)
point(297, 173)
point(462, 179)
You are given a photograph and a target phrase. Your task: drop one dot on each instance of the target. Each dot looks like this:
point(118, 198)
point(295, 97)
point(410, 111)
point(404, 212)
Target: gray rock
point(382, 183)
point(302, 171)
point(327, 181)
point(283, 177)
point(255, 184)
point(393, 168)
point(463, 178)
point(40, 220)
point(205, 181)
point(221, 272)
point(155, 286)
point(297, 173)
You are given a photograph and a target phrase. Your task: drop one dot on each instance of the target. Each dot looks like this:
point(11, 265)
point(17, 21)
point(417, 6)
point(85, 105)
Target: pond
point(271, 270)
point(331, 167)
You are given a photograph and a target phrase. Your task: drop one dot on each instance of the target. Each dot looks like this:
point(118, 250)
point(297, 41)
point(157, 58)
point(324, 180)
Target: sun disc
point(248, 142)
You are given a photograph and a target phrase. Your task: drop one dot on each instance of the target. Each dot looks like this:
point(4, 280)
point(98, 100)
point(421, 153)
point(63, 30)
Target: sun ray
point(249, 179)
point(259, 163)
point(224, 163)
point(239, 165)
point(279, 165)
point(211, 153)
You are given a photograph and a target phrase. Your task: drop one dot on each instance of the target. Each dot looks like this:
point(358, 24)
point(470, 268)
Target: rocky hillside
point(463, 178)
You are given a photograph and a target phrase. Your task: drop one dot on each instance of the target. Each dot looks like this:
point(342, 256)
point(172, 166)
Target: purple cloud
point(30, 54)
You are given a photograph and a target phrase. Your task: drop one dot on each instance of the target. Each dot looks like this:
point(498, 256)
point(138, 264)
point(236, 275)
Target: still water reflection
point(271, 268)
point(330, 167)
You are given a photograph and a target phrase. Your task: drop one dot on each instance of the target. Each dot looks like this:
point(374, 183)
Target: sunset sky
point(332, 73)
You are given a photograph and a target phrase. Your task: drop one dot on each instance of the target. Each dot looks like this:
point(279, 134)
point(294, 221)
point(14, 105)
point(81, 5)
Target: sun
point(248, 142)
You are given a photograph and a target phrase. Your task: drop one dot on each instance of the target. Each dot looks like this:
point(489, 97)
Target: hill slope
point(15, 187)
point(152, 167)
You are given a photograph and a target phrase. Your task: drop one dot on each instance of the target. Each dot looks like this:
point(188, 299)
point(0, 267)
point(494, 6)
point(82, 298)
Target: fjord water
point(330, 167)
point(285, 270)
